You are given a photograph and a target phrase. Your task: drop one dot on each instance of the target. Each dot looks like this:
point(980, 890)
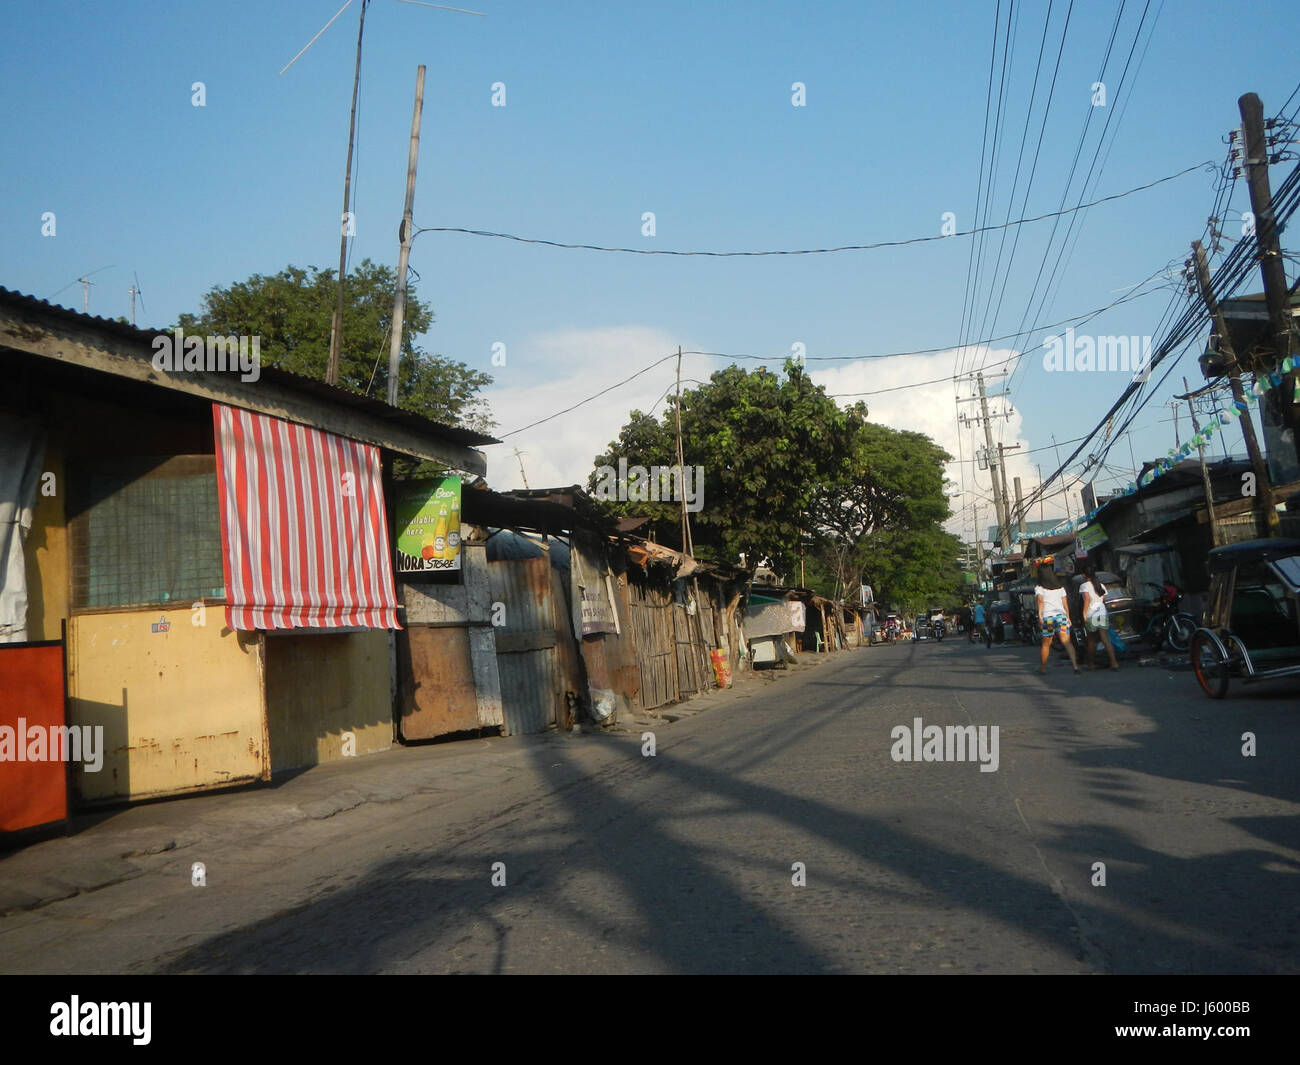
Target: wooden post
point(404, 255)
point(1215, 538)
point(1266, 520)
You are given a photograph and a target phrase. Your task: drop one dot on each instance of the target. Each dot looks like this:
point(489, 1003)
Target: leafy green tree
point(293, 310)
point(766, 442)
point(882, 518)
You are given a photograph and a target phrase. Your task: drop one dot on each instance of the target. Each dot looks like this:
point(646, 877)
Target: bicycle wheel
point(1210, 663)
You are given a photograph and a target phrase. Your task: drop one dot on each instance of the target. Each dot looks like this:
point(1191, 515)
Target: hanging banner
point(428, 525)
point(593, 609)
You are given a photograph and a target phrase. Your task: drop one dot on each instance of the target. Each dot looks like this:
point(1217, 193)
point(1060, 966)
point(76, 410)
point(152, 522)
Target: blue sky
point(613, 110)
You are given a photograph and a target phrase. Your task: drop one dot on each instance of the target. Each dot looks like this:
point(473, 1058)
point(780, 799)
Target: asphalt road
point(685, 861)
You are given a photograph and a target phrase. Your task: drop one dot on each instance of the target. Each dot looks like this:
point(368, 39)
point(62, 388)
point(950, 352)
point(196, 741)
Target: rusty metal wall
point(437, 682)
point(611, 658)
point(536, 657)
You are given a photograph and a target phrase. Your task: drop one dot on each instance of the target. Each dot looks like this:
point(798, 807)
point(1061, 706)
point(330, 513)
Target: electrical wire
point(814, 251)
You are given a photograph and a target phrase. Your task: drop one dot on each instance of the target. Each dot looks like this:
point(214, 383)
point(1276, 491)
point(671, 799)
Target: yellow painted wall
point(181, 710)
point(318, 687)
point(46, 551)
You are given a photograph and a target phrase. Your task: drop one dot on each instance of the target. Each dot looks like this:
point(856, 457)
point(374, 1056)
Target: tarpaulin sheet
point(773, 619)
point(303, 533)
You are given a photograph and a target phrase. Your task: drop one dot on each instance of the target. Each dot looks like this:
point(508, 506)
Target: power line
point(813, 251)
point(583, 402)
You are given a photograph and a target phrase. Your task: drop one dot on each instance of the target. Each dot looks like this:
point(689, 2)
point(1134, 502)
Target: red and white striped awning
point(303, 533)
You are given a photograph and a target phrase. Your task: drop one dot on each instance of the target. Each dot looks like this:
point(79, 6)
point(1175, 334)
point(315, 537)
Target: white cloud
point(932, 408)
point(574, 364)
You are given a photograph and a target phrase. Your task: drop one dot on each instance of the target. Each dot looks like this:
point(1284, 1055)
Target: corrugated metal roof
point(341, 396)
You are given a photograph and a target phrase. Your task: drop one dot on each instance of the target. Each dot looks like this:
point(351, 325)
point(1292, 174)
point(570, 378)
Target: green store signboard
point(1093, 536)
point(428, 525)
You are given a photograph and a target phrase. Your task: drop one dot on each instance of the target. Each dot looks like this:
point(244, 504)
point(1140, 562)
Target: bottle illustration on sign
point(453, 530)
point(440, 534)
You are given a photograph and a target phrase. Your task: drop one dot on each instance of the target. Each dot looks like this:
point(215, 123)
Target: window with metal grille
point(145, 532)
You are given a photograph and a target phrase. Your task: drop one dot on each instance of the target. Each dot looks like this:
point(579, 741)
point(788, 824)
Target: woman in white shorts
point(1053, 615)
point(1095, 619)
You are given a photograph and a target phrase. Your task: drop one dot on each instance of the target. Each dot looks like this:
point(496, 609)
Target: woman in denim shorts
point(1053, 616)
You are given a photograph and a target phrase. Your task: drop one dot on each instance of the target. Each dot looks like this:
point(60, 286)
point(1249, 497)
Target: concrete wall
point(320, 686)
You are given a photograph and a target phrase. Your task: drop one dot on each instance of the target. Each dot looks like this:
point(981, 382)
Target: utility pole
point(1006, 496)
point(85, 294)
point(404, 255)
point(1265, 512)
point(1020, 510)
point(1215, 538)
point(1000, 503)
point(1256, 164)
point(336, 328)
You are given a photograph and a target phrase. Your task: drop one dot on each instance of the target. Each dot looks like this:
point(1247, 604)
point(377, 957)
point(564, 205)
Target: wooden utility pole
point(1020, 510)
point(1215, 537)
point(336, 327)
point(404, 255)
point(1256, 163)
point(1265, 512)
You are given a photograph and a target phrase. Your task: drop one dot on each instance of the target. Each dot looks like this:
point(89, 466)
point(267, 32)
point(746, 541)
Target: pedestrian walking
point(1053, 616)
point(980, 627)
point(1096, 621)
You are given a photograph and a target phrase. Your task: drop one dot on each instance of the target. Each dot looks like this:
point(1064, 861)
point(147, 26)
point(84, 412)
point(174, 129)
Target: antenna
point(336, 326)
point(518, 455)
point(135, 291)
point(85, 283)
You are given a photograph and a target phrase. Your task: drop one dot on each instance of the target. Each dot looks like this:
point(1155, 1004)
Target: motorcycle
point(939, 629)
point(1169, 627)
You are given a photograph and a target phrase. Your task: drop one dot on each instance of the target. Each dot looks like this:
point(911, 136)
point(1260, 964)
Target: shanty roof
point(125, 351)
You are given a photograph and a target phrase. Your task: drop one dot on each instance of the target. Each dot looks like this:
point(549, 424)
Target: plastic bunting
point(1263, 383)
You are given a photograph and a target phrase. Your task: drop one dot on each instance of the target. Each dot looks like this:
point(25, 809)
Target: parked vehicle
point(1168, 627)
point(1001, 623)
point(1252, 616)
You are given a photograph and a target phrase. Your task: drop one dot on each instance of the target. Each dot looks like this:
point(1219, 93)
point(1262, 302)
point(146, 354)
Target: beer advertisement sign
point(428, 525)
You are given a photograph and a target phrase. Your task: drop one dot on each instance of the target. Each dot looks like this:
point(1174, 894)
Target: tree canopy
point(787, 471)
point(292, 312)
point(765, 442)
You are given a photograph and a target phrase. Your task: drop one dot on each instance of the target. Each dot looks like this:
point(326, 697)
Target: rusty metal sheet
point(531, 689)
point(438, 694)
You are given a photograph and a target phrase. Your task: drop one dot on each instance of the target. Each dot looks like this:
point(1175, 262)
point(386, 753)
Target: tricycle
point(1251, 627)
